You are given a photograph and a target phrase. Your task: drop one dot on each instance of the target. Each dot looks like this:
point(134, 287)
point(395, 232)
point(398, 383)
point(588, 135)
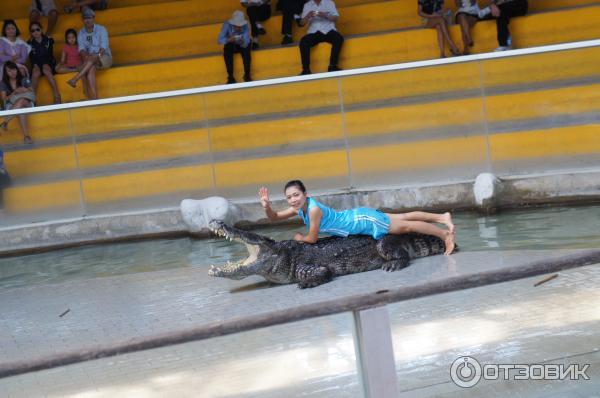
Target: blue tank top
point(359, 221)
point(333, 222)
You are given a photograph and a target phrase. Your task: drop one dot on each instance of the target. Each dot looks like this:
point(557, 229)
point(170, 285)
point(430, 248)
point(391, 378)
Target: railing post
point(375, 353)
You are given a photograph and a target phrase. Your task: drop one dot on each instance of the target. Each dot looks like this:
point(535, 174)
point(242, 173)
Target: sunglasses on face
point(35, 30)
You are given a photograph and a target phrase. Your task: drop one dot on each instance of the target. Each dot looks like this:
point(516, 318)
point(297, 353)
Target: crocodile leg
point(395, 265)
point(311, 276)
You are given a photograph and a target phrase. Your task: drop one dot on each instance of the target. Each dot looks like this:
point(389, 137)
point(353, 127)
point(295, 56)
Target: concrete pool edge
point(576, 187)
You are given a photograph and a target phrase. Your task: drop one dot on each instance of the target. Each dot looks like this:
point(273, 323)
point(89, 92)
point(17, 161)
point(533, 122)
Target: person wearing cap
point(46, 8)
point(83, 4)
point(94, 49)
point(321, 15)
point(258, 11)
point(235, 38)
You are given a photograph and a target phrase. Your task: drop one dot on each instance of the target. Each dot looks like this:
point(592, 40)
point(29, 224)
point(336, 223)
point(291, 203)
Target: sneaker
point(247, 78)
point(255, 45)
point(333, 68)
point(502, 48)
point(305, 72)
point(230, 80)
point(287, 40)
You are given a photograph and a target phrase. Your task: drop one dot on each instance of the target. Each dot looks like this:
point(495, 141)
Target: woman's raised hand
point(263, 195)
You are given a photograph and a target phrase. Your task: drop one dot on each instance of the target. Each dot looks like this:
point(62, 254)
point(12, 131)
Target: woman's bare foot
point(447, 221)
point(449, 243)
point(27, 139)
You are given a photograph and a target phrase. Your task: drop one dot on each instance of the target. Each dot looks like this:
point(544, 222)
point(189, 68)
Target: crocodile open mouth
point(253, 251)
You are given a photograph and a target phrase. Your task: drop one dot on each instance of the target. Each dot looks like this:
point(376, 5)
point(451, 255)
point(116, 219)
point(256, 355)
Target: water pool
point(535, 228)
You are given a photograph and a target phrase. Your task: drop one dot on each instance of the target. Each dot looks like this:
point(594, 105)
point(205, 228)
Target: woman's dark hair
point(5, 79)
point(295, 183)
point(68, 32)
point(35, 23)
point(10, 22)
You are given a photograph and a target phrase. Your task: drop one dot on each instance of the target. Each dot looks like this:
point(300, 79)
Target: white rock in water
point(485, 189)
point(198, 213)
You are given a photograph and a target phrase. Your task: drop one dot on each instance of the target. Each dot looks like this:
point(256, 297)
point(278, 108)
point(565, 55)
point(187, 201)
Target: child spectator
point(503, 11)
point(70, 60)
point(290, 11)
point(321, 15)
point(46, 8)
point(235, 38)
point(12, 48)
point(257, 11)
point(94, 50)
point(467, 15)
point(432, 13)
point(83, 4)
point(42, 59)
point(16, 93)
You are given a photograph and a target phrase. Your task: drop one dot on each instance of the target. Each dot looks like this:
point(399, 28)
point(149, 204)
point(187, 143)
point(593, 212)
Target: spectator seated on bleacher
point(83, 4)
point(432, 13)
point(467, 15)
point(258, 11)
point(94, 49)
point(321, 15)
point(13, 48)
point(16, 93)
point(45, 8)
point(42, 59)
point(290, 10)
point(503, 11)
point(235, 38)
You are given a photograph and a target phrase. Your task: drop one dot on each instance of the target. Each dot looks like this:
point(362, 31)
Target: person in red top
point(70, 60)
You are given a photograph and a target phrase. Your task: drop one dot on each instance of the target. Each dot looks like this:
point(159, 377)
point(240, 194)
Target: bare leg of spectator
point(88, 64)
point(86, 86)
point(35, 77)
point(442, 32)
point(466, 22)
point(91, 77)
point(48, 73)
point(52, 18)
point(23, 103)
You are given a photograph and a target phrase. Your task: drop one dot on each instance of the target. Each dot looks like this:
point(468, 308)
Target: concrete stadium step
point(421, 84)
point(516, 124)
point(371, 50)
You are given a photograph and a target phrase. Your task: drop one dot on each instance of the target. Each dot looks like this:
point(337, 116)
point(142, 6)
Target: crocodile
point(310, 265)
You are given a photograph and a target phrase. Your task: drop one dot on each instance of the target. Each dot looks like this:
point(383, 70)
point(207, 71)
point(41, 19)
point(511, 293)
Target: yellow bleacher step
point(304, 96)
point(389, 48)
point(158, 16)
point(309, 128)
point(413, 155)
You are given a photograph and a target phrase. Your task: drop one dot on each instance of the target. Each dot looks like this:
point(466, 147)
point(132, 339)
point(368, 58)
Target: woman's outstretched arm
point(263, 195)
point(314, 214)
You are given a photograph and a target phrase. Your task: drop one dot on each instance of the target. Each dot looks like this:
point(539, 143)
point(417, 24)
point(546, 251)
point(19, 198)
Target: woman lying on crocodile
point(359, 221)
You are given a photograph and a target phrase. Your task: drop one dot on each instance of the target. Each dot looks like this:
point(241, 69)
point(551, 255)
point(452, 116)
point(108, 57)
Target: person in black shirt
point(42, 59)
point(432, 13)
